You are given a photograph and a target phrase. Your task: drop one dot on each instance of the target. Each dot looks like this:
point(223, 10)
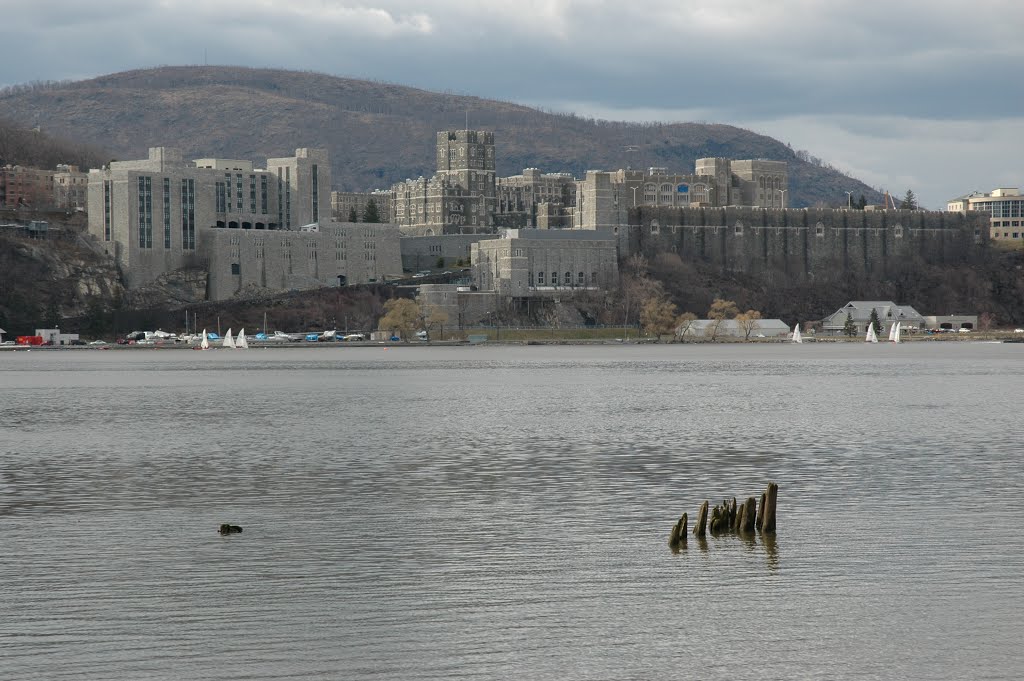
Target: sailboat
point(797, 338)
point(896, 334)
point(240, 342)
point(892, 332)
point(229, 342)
point(872, 337)
point(205, 344)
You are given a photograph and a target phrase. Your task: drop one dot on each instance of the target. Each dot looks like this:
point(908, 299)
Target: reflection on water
point(494, 513)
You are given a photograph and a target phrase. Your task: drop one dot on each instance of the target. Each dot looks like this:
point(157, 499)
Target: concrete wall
point(422, 252)
point(802, 242)
point(464, 308)
point(281, 260)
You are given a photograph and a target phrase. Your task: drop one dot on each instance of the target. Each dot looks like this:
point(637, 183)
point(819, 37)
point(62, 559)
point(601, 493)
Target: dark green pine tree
point(909, 201)
point(875, 321)
point(370, 213)
point(353, 216)
point(850, 327)
point(862, 203)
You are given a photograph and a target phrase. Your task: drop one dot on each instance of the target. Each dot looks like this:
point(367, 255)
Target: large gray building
point(161, 213)
point(604, 199)
point(531, 263)
point(460, 197)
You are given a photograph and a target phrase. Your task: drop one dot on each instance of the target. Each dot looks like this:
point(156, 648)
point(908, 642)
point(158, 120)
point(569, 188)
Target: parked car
point(354, 337)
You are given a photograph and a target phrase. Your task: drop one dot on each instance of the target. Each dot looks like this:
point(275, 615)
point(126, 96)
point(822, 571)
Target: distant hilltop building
point(465, 197)
point(62, 189)
point(460, 197)
point(248, 227)
point(604, 199)
point(1005, 208)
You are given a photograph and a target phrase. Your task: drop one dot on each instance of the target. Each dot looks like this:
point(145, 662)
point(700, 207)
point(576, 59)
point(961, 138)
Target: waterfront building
point(1005, 208)
point(730, 328)
point(245, 226)
point(889, 313)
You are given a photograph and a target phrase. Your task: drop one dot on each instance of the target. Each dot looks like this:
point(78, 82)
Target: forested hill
point(21, 145)
point(376, 133)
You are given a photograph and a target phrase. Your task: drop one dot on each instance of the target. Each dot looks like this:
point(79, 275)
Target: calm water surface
point(502, 513)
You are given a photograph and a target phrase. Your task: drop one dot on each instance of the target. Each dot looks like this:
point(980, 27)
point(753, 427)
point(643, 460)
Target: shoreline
point(994, 337)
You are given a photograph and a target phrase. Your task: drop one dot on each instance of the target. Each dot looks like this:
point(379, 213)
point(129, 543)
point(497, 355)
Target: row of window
point(566, 279)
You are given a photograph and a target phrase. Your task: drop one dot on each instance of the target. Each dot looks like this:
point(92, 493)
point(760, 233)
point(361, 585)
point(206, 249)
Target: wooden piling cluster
point(728, 517)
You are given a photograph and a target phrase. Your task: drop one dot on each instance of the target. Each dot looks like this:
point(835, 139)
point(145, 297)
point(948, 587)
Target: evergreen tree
point(353, 216)
point(862, 204)
point(370, 213)
point(850, 327)
point(873, 319)
point(909, 201)
point(52, 316)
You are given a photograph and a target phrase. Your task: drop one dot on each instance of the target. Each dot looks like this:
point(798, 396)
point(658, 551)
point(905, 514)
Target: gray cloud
point(872, 74)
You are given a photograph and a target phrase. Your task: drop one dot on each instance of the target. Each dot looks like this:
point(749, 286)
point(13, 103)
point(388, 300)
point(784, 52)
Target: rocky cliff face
point(42, 281)
point(171, 290)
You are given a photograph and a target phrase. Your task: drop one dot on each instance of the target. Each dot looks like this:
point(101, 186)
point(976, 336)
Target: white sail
point(872, 337)
point(229, 342)
point(240, 342)
point(896, 335)
point(892, 332)
point(205, 344)
point(797, 338)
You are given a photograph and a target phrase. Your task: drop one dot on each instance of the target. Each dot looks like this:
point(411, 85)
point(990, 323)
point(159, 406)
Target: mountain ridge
point(376, 133)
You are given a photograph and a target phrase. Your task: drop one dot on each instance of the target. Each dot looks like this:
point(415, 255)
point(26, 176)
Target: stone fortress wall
point(802, 242)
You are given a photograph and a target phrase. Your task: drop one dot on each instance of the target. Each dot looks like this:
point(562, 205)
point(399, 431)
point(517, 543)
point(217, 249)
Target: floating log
point(700, 527)
point(771, 496)
point(230, 529)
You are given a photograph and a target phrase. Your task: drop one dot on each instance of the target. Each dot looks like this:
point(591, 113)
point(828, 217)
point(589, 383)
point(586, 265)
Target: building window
point(263, 194)
point(593, 278)
point(236, 268)
point(579, 279)
point(819, 229)
point(107, 189)
point(316, 194)
point(167, 212)
point(898, 231)
point(252, 193)
point(188, 215)
point(568, 279)
point(145, 212)
point(554, 278)
point(540, 278)
point(238, 192)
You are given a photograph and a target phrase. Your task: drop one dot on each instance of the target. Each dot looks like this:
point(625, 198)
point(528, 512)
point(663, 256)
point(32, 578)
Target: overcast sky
point(918, 94)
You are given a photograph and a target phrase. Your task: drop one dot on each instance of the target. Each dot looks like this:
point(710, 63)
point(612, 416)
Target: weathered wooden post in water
point(678, 536)
point(760, 513)
point(746, 521)
point(701, 526)
point(770, 497)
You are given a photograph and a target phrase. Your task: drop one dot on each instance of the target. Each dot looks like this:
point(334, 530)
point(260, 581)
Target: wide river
point(503, 512)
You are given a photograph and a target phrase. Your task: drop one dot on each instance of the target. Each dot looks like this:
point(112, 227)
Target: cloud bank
point(904, 94)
